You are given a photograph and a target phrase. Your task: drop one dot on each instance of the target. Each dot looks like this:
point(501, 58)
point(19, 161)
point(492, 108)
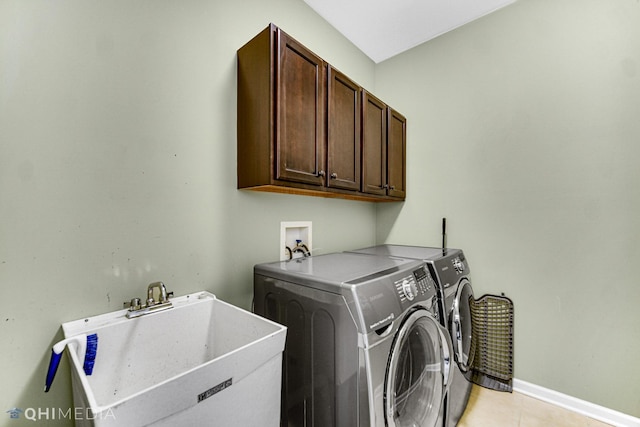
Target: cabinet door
point(343, 148)
point(396, 152)
point(300, 119)
point(374, 145)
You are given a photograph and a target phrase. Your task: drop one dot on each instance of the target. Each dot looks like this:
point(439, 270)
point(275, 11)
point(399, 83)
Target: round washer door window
point(414, 385)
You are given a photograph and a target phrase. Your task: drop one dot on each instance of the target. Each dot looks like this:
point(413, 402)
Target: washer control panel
point(417, 284)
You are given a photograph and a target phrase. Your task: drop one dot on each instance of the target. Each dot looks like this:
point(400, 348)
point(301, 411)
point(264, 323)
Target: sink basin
point(199, 361)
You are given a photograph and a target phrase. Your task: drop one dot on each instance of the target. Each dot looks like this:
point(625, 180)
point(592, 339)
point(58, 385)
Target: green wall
point(524, 133)
point(117, 166)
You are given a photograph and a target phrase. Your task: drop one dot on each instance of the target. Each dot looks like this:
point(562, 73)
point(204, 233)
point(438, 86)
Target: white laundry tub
point(203, 362)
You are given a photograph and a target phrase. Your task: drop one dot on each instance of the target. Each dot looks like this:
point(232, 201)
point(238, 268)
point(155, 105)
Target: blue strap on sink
point(53, 368)
point(87, 348)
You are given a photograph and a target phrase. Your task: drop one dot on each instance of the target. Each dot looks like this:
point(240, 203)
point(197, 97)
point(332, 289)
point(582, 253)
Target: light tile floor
point(489, 408)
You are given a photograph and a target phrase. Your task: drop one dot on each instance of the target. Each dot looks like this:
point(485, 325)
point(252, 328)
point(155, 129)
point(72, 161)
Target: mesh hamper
point(492, 327)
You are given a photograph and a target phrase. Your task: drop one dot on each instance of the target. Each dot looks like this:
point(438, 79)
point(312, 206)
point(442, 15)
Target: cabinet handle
point(393, 187)
point(385, 186)
point(334, 175)
point(321, 173)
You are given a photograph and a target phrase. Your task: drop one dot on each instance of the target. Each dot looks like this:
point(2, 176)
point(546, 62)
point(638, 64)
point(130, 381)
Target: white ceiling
point(385, 28)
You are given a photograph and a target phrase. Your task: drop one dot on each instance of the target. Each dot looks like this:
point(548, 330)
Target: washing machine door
point(418, 372)
point(461, 326)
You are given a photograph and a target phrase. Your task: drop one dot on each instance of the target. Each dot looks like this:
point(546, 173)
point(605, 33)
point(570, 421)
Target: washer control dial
point(409, 289)
point(458, 265)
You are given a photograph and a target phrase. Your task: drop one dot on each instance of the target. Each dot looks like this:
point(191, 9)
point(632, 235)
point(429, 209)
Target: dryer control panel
point(451, 269)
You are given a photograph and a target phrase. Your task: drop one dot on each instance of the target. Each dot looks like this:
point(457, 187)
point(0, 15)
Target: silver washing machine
point(450, 269)
point(364, 347)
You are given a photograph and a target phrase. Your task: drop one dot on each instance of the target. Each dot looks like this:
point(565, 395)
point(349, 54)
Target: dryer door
point(418, 372)
point(461, 326)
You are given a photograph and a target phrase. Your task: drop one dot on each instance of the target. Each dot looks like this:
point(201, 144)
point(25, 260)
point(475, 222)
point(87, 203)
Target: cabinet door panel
point(300, 100)
point(343, 151)
point(374, 145)
point(396, 164)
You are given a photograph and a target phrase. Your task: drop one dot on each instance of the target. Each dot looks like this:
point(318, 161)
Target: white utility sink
point(202, 362)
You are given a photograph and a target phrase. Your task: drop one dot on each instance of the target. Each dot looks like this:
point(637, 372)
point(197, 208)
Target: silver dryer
point(450, 270)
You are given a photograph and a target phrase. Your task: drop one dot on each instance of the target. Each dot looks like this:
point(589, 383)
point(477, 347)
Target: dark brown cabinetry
point(383, 149)
point(302, 126)
point(344, 134)
point(300, 78)
point(374, 146)
point(396, 153)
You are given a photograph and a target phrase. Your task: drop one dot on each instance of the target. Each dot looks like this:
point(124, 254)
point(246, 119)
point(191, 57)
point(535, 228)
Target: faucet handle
point(134, 304)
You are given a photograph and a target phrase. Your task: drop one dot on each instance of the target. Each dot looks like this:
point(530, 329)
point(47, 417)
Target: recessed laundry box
point(202, 362)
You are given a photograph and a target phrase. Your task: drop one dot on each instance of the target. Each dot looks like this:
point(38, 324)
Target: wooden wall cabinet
point(300, 89)
point(383, 149)
point(344, 132)
point(396, 154)
point(303, 127)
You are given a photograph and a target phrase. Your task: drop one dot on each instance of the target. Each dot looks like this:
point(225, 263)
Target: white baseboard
point(583, 407)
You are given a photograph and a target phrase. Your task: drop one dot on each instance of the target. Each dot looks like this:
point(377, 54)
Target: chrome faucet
point(163, 293)
point(136, 309)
